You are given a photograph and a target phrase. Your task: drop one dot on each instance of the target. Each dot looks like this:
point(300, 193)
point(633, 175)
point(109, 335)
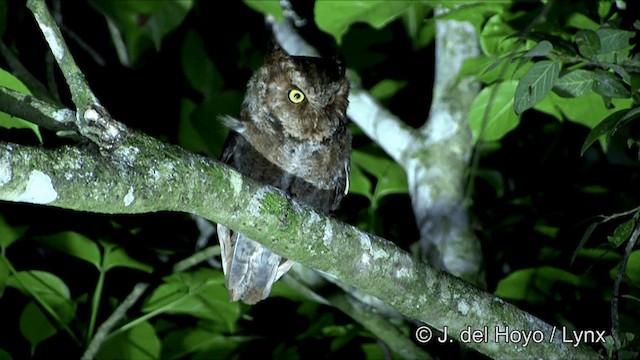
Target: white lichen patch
point(475, 306)
point(5, 170)
point(255, 205)
point(327, 235)
point(314, 218)
point(402, 272)
point(56, 48)
point(421, 300)
point(365, 260)
point(441, 126)
point(365, 242)
point(128, 154)
point(498, 300)
point(463, 308)
point(62, 114)
point(154, 174)
point(128, 199)
point(236, 182)
point(38, 190)
point(91, 114)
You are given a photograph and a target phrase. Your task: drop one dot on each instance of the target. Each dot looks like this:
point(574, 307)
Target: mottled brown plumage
point(292, 134)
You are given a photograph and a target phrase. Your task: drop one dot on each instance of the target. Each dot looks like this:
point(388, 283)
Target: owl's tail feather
point(250, 269)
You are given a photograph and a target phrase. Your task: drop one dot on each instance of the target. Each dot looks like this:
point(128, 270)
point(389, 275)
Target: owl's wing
point(250, 269)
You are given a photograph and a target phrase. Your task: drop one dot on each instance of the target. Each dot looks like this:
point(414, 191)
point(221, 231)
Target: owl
point(292, 134)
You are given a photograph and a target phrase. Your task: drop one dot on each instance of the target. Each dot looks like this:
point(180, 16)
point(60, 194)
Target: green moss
point(272, 204)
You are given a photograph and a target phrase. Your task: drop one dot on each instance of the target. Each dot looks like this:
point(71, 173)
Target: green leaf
point(607, 84)
point(535, 285)
point(9, 81)
point(634, 80)
point(335, 17)
point(475, 13)
point(633, 266)
point(373, 351)
point(489, 70)
point(39, 282)
point(387, 88)
point(142, 24)
point(496, 38)
point(198, 67)
point(204, 121)
point(203, 343)
point(34, 325)
point(53, 293)
point(574, 83)
point(201, 294)
point(582, 22)
point(4, 274)
point(359, 183)
point(535, 85)
point(620, 71)
point(588, 43)
point(139, 342)
point(598, 254)
point(604, 7)
point(5, 355)
point(543, 48)
point(9, 234)
point(516, 285)
point(188, 137)
point(414, 18)
point(115, 256)
point(74, 244)
point(621, 233)
point(271, 7)
point(393, 181)
point(500, 119)
point(606, 127)
point(613, 39)
point(391, 178)
point(7, 121)
point(426, 34)
point(588, 110)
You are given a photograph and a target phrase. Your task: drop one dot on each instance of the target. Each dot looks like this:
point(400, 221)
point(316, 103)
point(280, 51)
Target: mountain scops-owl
point(292, 134)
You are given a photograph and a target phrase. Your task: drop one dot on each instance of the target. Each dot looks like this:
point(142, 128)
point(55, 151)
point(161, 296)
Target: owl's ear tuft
point(275, 53)
point(339, 61)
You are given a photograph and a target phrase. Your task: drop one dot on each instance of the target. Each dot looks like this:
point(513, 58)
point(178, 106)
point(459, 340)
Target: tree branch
point(436, 164)
point(145, 175)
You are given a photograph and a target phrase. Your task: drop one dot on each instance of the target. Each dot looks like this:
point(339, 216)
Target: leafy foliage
point(171, 68)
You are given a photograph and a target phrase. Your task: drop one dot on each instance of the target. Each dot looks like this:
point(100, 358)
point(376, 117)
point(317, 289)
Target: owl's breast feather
point(317, 163)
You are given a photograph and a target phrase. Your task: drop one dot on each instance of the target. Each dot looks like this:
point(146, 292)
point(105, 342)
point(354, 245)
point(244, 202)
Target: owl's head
point(304, 98)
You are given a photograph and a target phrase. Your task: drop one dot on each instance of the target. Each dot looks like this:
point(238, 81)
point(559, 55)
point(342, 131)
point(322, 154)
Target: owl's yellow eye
point(296, 96)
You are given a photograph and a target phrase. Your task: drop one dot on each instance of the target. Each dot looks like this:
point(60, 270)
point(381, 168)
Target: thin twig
point(104, 332)
point(81, 93)
point(94, 122)
point(39, 112)
point(615, 326)
point(21, 72)
point(104, 329)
